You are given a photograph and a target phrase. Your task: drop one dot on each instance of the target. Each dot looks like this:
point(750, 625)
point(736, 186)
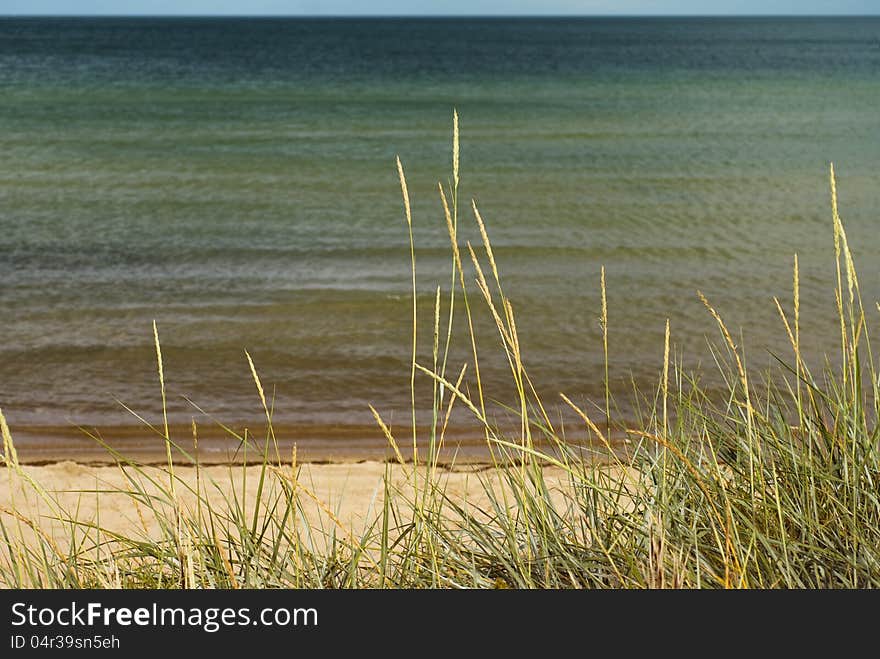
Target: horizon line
point(411, 16)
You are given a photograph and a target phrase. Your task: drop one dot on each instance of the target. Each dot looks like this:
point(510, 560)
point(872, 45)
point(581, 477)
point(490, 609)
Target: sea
point(235, 181)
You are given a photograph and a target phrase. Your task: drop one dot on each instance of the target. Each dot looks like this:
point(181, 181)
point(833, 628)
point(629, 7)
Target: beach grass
point(773, 484)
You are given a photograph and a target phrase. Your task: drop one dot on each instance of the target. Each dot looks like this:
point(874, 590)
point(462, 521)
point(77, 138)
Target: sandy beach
point(97, 495)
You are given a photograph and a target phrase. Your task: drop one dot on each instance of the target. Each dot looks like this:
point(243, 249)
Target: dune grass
point(772, 484)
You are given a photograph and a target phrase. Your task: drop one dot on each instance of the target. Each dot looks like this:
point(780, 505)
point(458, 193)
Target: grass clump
point(773, 484)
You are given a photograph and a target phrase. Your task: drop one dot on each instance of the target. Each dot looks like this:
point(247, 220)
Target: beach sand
point(95, 495)
point(42, 445)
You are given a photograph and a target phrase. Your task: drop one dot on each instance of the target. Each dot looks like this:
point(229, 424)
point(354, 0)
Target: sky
point(438, 7)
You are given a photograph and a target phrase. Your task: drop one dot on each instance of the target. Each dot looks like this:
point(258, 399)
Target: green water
point(235, 181)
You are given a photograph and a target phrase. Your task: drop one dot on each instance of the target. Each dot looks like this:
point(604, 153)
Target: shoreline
point(40, 446)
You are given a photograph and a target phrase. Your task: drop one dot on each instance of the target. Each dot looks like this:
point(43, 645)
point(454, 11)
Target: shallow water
point(235, 180)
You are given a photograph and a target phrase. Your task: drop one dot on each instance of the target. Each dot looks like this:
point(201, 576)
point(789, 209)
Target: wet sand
point(216, 445)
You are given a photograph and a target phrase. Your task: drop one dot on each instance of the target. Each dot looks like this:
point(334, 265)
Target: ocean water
point(234, 179)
